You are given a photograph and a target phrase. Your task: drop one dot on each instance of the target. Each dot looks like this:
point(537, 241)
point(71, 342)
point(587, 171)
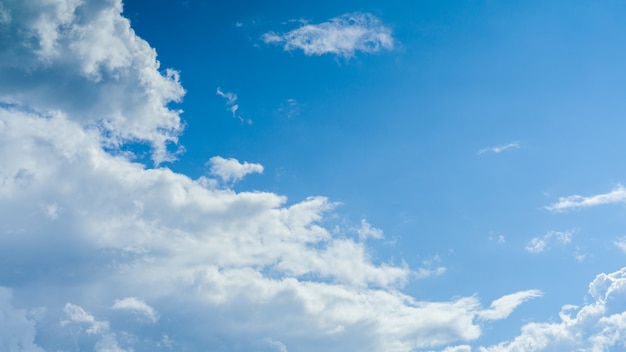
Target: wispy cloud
point(231, 103)
point(617, 195)
point(499, 149)
point(505, 305)
point(541, 244)
point(342, 36)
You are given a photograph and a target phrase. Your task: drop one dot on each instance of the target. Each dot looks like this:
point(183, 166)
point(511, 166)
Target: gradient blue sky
point(446, 180)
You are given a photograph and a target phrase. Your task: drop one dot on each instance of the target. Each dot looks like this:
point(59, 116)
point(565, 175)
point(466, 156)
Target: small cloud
point(499, 149)
point(231, 99)
point(342, 36)
point(430, 268)
point(621, 243)
point(367, 231)
point(290, 108)
point(231, 170)
point(137, 306)
point(51, 211)
point(78, 315)
point(500, 239)
point(541, 244)
point(579, 255)
point(617, 195)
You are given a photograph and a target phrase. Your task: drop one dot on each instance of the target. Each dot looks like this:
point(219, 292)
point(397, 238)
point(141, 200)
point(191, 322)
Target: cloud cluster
point(597, 326)
point(85, 232)
point(342, 36)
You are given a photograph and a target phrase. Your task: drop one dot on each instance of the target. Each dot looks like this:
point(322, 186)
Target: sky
point(187, 175)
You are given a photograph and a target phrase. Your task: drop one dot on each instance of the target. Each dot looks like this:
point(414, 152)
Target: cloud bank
point(342, 36)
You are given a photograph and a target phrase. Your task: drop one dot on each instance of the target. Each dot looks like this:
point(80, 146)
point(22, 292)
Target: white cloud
point(504, 306)
point(231, 170)
point(136, 305)
point(110, 77)
point(342, 36)
point(231, 99)
point(107, 340)
point(499, 149)
point(621, 244)
point(597, 326)
point(540, 244)
point(367, 231)
point(78, 315)
point(162, 236)
point(617, 195)
point(459, 348)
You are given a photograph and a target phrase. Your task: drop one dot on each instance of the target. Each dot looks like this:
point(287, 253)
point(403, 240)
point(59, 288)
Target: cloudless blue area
point(395, 136)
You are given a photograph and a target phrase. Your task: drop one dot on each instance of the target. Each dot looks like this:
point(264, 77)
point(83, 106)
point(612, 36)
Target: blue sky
point(283, 176)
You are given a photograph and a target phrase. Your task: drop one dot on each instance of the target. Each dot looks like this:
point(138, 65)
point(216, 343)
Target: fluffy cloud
point(617, 195)
point(342, 36)
point(231, 170)
point(160, 235)
point(598, 326)
point(83, 58)
point(225, 270)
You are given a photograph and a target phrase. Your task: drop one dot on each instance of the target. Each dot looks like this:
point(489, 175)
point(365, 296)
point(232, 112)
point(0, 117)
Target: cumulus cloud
point(342, 36)
point(160, 235)
point(597, 326)
point(138, 306)
point(231, 170)
point(239, 267)
point(541, 244)
point(499, 149)
point(83, 58)
point(617, 195)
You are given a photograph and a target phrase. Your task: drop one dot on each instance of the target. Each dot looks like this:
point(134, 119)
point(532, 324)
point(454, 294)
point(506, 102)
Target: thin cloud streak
point(617, 195)
point(499, 149)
